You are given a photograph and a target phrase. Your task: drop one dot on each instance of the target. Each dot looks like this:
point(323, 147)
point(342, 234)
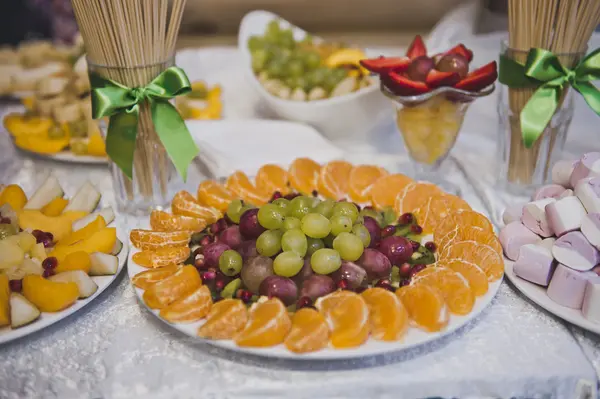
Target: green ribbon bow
point(122, 104)
point(543, 70)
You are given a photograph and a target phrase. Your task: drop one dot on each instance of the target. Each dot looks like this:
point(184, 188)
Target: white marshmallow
point(548, 243)
point(591, 300)
point(590, 227)
point(587, 192)
point(588, 166)
point(574, 251)
point(566, 193)
point(561, 172)
point(513, 236)
point(512, 213)
point(565, 215)
point(535, 219)
point(567, 287)
point(535, 264)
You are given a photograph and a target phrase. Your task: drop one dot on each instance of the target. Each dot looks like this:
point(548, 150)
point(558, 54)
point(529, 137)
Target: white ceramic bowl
point(348, 117)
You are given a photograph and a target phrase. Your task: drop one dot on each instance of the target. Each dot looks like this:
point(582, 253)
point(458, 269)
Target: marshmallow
point(549, 191)
point(588, 192)
point(565, 215)
point(561, 172)
point(589, 166)
point(548, 243)
point(574, 251)
point(590, 228)
point(566, 193)
point(535, 263)
point(534, 217)
point(513, 236)
point(512, 213)
point(591, 300)
point(567, 287)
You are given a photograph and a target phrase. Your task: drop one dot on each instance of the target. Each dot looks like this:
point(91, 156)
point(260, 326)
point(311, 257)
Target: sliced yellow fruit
point(101, 241)
point(346, 56)
point(96, 145)
point(49, 296)
point(14, 196)
point(4, 300)
point(59, 226)
point(41, 145)
point(55, 207)
point(84, 233)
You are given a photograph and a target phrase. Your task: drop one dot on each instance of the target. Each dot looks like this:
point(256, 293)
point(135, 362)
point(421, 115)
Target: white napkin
point(230, 145)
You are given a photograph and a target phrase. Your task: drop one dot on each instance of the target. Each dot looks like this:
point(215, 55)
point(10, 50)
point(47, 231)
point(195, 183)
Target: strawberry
point(479, 78)
point(383, 65)
point(436, 78)
point(403, 86)
point(417, 48)
point(462, 50)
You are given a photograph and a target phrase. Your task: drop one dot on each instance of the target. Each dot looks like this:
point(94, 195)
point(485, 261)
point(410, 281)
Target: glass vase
point(154, 178)
point(521, 170)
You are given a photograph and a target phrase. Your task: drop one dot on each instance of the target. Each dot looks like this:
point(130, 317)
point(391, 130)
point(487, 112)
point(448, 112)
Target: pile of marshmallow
point(555, 239)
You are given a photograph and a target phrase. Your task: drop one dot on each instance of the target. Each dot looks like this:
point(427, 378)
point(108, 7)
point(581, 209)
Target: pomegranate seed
point(315, 193)
point(50, 263)
point(388, 231)
point(16, 285)
point(430, 246)
point(416, 269)
point(415, 245)
point(416, 229)
point(343, 284)
point(404, 270)
point(246, 296)
point(199, 263)
point(4, 220)
point(303, 302)
point(204, 241)
point(208, 275)
point(404, 282)
point(406, 218)
point(48, 272)
point(50, 236)
point(276, 195)
point(385, 284)
point(219, 285)
point(38, 234)
point(291, 196)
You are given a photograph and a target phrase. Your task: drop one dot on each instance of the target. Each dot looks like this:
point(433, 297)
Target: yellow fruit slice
point(55, 207)
point(79, 260)
point(96, 146)
point(4, 300)
point(84, 233)
point(59, 226)
point(49, 296)
point(101, 241)
point(14, 196)
point(41, 145)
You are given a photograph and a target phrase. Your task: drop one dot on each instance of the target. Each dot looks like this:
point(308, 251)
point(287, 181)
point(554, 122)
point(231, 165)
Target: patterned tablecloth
point(113, 348)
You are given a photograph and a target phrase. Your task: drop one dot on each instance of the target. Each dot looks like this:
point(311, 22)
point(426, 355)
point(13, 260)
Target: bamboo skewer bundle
point(131, 42)
point(563, 27)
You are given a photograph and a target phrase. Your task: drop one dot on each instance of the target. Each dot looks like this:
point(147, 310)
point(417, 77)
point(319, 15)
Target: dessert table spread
point(115, 349)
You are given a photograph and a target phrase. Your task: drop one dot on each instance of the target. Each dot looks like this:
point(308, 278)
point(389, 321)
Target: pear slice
point(22, 311)
point(86, 285)
point(103, 264)
point(86, 199)
point(49, 190)
point(117, 248)
point(107, 213)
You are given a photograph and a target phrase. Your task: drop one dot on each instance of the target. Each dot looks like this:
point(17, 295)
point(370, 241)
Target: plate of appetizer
point(551, 243)
point(288, 265)
point(58, 254)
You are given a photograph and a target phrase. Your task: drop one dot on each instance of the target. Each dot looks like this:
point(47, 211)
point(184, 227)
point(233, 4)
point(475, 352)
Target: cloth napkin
point(230, 145)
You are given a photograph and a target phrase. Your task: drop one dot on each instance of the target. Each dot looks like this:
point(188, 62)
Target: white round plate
point(69, 157)
point(8, 334)
point(413, 338)
point(537, 294)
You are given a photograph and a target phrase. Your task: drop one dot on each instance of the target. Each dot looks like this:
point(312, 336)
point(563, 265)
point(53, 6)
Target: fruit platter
point(552, 243)
point(316, 261)
point(57, 255)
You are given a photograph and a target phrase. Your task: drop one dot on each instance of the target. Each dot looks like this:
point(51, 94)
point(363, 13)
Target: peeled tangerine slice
point(185, 204)
point(268, 325)
point(513, 236)
point(165, 221)
point(388, 316)
point(151, 240)
point(482, 255)
point(49, 296)
point(347, 314)
point(224, 320)
point(162, 256)
point(309, 332)
point(476, 277)
point(146, 278)
point(425, 305)
point(535, 264)
point(567, 287)
point(165, 292)
point(591, 300)
point(192, 307)
point(454, 287)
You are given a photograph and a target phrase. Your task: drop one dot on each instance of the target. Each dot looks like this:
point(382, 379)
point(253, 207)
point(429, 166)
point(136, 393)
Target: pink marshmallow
point(561, 172)
point(588, 192)
point(535, 263)
point(548, 191)
point(567, 287)
point(591, 300)
point(513, 236)
point(566, 193)
point(589, 166)
point(565, 215)
point(535, 219)
point(590, 228)
point(512, 213)
point(574, 251)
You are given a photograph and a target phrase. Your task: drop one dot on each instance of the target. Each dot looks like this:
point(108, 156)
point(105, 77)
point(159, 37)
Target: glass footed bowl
point(429, 124)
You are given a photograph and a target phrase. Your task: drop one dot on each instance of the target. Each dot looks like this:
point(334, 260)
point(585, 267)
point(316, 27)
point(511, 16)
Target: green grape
point(294, 240)
point(340, 224)
point(283, 204)
point(234, 210)
point(316, 225)
point(314, 201)
point(325, 207)
point(230, 289)
point(230, 262)
point(318, 76)
point(276, 69)
point(296, 82)
point(349, 246)
point(362, 232)
point(312, 60)
point(271, 216)
point(313, 245)
point(272, 33)
point(307, 39)
point(325, 261)
point(286, 39)
point(291, 222)
point(372, 213)
point(259, 59)
point(300, 206)
point(333, 79)
point(269, 243)
point(256, 43)
point(288, 264)
point(389, 216)
point(346, 209)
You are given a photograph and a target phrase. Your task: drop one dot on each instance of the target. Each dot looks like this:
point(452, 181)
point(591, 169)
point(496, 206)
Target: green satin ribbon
point(122, 104)
point(544, 71)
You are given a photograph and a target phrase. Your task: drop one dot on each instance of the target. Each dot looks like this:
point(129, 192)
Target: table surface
point(113, 348)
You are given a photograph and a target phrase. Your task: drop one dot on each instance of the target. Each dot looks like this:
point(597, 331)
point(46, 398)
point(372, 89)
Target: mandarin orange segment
point(388, 316)
point(189, 308)
point(415, 196)
point(146, 278)
point(425, 305)
point(151, 240)
point(440, 207)
point(303, 175)
point(474, 219)
point(360, 181)
point(210, 193)
point(268, 325)
point(470, 233)
point(454, 287)
point(241, 186)
point(347, 314)
point(482, 255)
point(309, 332)
point(271, 178)
point(161, 257)
point(185, 204)
point(224, 320)
point(165, 221)
point(476, 277)
point(333, 179)
point(164, 292)
point(385, 190)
